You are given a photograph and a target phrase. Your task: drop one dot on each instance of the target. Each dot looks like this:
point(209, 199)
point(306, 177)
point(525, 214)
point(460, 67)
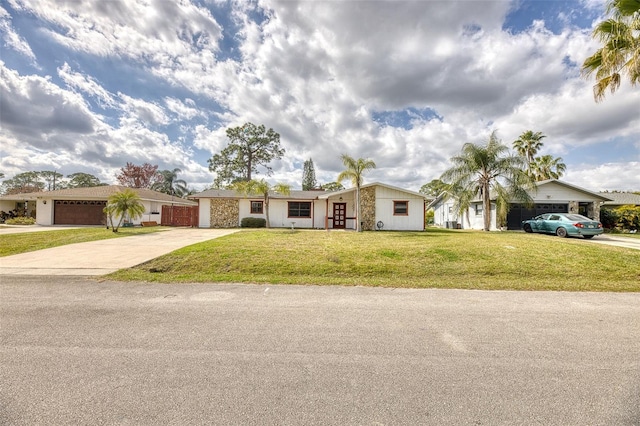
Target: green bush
point(608, 218)
point(253, 222)
point(628, 217)
point(429, 217)
point(21, 221)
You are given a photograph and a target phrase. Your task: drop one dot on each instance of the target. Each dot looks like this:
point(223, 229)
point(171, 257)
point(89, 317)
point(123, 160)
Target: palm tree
point(480, 169)
point(547, 167)
point(262, 187)
point(170, 184)
point(528, 145)
point(123, 204)
point(355, 171)
point(620, 52)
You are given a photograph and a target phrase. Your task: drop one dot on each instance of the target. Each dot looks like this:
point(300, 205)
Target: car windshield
point(578, 217)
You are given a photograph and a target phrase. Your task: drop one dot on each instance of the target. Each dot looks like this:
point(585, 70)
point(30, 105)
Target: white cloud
point(86, 84)
point(315, 72)
point(12, 39)
point(607, 176)
point(186, 110)
point(139, 110)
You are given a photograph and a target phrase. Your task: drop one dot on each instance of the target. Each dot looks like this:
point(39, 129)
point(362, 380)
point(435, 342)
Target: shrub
point(253, 222)
point(429, 217)
point(608, 218)
point(21, 221)
point(628, 217)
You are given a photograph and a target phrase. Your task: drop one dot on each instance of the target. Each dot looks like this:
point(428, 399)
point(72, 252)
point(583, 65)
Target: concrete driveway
point(628, 242)
point(105, 256)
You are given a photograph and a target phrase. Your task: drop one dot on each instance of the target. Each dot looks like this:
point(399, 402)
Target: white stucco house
point(84, 206)
point(552, 196)
point(384, 207)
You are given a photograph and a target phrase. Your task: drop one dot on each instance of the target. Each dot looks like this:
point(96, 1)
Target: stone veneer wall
point(368, 205)
point(573, 207)
point(593, 211)
point(224, 213)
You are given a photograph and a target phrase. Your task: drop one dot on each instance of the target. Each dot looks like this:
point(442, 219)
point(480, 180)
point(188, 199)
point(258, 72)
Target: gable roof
point(575, 188)
point(98, 193)
point(621, 198)
point(598, 196)
point(230, 193)
point(326, 195)
point(295, 195)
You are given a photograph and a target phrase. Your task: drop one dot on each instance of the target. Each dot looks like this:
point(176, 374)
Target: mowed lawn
point(436, 258)
point(11, 244)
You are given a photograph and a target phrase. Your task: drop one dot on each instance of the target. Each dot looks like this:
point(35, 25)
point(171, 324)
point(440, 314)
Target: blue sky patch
point(404, 118)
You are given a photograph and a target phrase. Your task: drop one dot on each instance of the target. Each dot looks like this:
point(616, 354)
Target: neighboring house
point(383, 207)
point(619, 199)
point(84, 206)
point(552, 196)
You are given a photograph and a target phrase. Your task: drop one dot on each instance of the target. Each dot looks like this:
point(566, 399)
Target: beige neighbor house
point(384, 207)
point(84, 206)
point(552, 196)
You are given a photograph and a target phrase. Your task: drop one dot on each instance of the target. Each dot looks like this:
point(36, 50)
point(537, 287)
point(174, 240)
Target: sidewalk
point(105, 256)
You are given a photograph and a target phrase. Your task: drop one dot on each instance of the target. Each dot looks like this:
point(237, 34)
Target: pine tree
point(309, 176)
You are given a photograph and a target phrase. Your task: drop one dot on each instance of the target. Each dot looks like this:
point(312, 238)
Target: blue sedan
point(563, 225)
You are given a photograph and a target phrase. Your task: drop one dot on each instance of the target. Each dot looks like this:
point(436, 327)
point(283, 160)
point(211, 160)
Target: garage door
point(518, 213)
point(79, 212)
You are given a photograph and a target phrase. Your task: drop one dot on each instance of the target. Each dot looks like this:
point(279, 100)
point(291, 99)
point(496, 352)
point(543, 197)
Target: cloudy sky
point(87, 86)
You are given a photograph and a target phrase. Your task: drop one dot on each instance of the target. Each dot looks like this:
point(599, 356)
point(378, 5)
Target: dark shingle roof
point(99, 193)
point(621, 198)
point(227, 193)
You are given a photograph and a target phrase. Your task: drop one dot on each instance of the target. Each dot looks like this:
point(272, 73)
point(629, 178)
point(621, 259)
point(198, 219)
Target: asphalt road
point(80, 351)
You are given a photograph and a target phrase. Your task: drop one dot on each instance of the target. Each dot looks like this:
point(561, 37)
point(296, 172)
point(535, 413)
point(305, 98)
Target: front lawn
point(624, 234)
point(30, 241)
point(435, 258)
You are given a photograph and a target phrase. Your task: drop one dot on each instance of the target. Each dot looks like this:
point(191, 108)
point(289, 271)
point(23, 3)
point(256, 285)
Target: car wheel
point(588, 237)
point(527, 228)
point(561, 232)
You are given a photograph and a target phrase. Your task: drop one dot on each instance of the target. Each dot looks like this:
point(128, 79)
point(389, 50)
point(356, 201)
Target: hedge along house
point(552, 196)
point(383, 207)
point(84, 206)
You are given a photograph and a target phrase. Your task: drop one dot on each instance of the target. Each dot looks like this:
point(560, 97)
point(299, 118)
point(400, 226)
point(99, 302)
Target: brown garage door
point(79, 212)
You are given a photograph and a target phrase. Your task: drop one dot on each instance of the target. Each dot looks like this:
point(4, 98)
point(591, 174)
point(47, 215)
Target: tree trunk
point(358, 226)
point(486, 207)
point(266, 206)
point(249, 164)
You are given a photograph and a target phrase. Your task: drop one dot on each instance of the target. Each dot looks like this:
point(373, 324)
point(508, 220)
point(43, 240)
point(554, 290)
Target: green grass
point(30, 241)
point(636, 235)
point(434, 258)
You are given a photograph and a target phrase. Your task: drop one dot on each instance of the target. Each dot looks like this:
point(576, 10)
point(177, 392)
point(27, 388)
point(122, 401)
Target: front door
point(339, 215)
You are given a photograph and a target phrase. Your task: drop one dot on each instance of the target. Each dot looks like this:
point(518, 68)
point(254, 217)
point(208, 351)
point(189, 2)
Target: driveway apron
point(627, 242)
point(105, 256)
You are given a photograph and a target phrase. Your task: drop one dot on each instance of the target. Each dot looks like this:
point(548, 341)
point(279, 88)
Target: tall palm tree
point(547, 167)
point(620, 51)
point(262, 187)
point(123, 204)
point(355, 172)
point(170, 184)
point(480, 169)
point(528, 144)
